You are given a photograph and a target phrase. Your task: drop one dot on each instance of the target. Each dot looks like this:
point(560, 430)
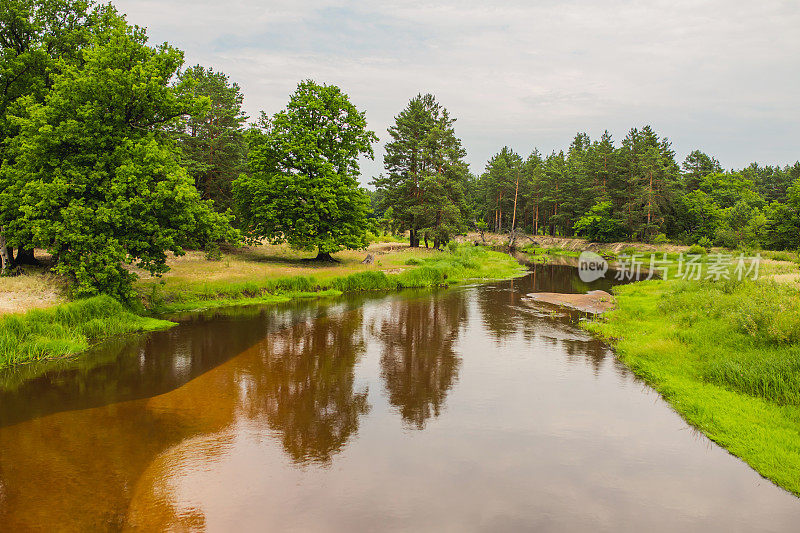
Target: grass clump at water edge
point(67, 329)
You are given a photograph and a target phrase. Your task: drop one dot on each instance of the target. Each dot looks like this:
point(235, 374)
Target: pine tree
point(425, 172)
point(212, 139)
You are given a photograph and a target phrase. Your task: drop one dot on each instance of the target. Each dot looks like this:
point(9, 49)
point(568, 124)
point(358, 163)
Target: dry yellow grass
point(276, 261)
point(37, 289)
point(33, 290)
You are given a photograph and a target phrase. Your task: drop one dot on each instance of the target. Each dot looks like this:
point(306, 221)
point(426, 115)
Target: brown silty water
point(458, 409)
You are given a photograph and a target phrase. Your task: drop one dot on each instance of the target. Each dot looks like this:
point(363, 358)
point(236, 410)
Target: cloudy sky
point(722, 76)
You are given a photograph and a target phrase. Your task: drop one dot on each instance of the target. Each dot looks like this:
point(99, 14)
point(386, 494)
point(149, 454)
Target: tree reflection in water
point(302, 382)
point(418, 363)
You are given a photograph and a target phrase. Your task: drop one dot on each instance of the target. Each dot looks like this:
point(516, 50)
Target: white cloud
point(723, 76)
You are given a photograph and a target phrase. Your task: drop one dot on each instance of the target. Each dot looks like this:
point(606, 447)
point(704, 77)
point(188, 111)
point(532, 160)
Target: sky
point(720, 76)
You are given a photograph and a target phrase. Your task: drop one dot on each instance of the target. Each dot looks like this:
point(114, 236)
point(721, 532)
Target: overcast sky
point(722, 76)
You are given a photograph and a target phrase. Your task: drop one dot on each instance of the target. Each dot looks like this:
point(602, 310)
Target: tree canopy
point(303, 188)
point(92, 176)
point(212, 141)
point(426, 174)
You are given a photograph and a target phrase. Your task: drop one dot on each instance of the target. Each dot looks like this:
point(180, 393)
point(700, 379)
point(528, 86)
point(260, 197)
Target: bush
point(660, 239)
point(705, 242)
point(726, 237)
point(696, 249)
point(452, 246)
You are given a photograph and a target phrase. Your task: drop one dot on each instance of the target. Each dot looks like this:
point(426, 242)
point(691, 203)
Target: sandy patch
point(594, 302)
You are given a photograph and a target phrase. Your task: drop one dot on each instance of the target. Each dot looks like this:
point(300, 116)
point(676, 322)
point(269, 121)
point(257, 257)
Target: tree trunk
point(325, 256)
point(5, 257)
point(426, 239)
point(413, 238)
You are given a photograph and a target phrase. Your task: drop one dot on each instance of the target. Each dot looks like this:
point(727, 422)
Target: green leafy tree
point(599, 225)
point(94, 177)
point(303, 188)
point(37, 38)
point(426, 175)
point(212, 139)
point(782, 229)
point(695, 167)
point(728, 188)
point(699, 215)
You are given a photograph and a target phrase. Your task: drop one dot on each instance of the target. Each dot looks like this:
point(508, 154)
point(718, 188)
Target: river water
point(453, 410)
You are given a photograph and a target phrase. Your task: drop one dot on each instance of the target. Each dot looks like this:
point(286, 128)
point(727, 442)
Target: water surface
point(459, 409)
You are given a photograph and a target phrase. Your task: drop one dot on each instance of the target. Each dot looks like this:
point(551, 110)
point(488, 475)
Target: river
point(452, 410)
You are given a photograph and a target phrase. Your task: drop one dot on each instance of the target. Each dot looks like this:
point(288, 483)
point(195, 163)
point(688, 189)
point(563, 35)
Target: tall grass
point(726, 355)
point(66, 329)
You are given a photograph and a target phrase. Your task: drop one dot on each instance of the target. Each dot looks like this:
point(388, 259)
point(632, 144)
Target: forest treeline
point(113, 153)
point(636, 190)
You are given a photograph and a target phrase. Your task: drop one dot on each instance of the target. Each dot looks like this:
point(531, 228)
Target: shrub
point(696, 249)
point(705, 242)
point(660, 239)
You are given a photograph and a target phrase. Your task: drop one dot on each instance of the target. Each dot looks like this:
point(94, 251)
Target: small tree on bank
point(303, 187)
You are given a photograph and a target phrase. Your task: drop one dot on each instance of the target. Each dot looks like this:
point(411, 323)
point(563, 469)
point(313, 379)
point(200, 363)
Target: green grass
point(726, 356)
point(67, 329)
point(70, 328)
point(435, 270)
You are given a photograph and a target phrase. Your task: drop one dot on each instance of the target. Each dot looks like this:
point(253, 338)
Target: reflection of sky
point(540, 428)
point(719, 75)
point(534, 435)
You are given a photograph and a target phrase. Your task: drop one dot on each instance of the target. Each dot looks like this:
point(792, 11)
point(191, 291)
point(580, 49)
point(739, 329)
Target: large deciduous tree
point(92, 176)
point(37, 38)
point(303, 186)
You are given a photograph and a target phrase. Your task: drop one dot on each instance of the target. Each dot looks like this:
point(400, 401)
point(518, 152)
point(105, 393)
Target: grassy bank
point(243, 278)
point(67, 329)
point(726, 356)
point(405, 268)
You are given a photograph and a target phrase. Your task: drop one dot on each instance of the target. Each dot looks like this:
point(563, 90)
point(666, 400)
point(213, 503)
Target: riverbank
point(726, 356)
point(251, 276)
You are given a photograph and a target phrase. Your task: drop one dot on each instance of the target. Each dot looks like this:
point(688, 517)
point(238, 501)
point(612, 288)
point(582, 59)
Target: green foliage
point(696, 166)
point(698, 249)
point(782, 230)
point(92, 178)
point(660, 239)
point(426, 174)
point(599, 225)
point(304, 188)
point(211, 138)
point(66, 329)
